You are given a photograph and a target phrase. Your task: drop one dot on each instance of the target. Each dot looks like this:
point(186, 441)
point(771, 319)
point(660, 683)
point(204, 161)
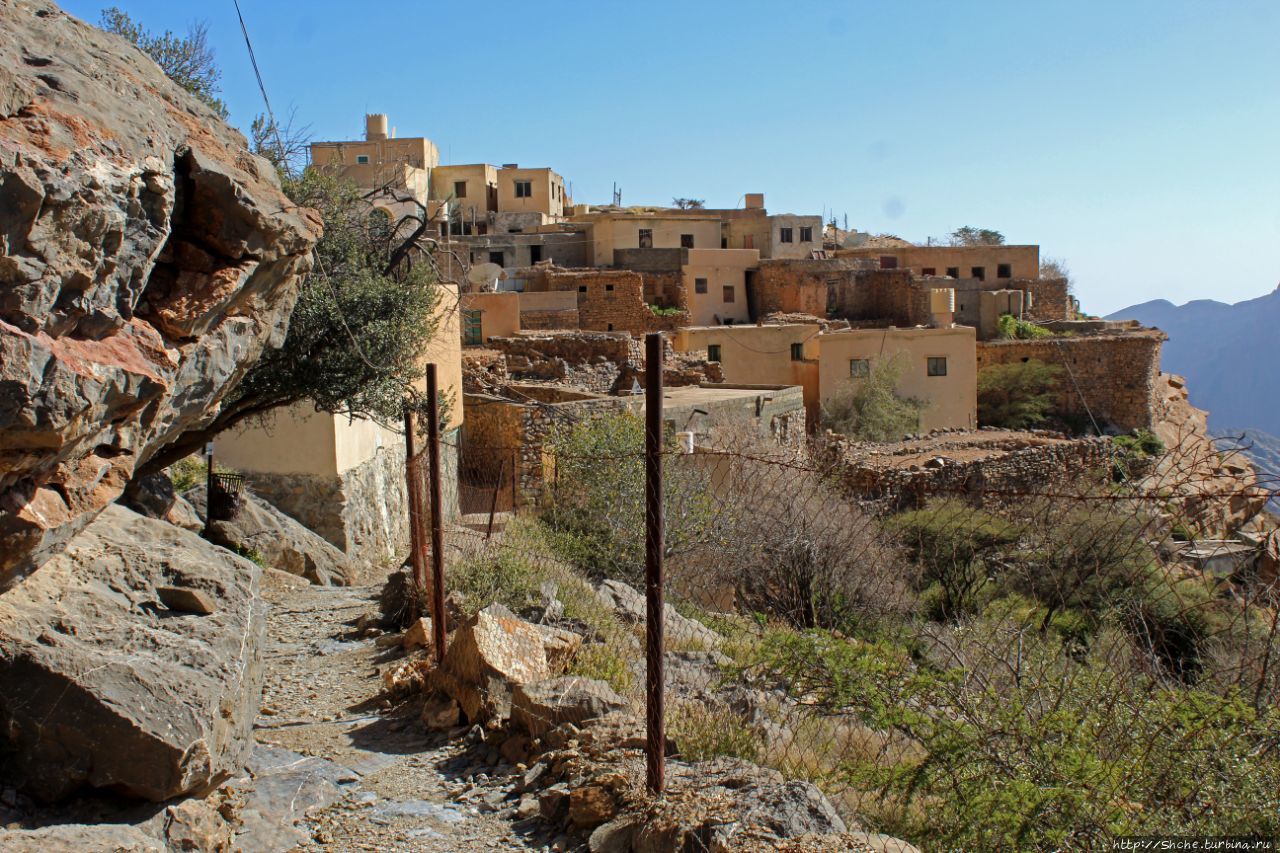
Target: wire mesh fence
point(1050, 659)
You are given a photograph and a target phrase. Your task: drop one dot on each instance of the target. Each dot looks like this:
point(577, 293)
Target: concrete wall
point(952, 399)
point(1024, 261)
point(761, 354)
point(563, 248)
point(622, 231)
point(722, 269)
point(481, 199)
point(1109, 376)
point(548, 195)
point(796, 248)
point(445, 349)
point(499, 313)
point(415, 151)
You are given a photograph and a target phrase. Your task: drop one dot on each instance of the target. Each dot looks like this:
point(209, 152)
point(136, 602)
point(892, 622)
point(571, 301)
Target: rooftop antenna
point(617, 195)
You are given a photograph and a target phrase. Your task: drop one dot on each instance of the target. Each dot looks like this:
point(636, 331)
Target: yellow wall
point(499, 312)
point(294, 440)
point(415, 151)
point(622, 231)
point(547, 187)
point(952, 398)
point(1023, 260)
point(479, 178)
point(721, 268)
point(445, 349)
point(760, 355)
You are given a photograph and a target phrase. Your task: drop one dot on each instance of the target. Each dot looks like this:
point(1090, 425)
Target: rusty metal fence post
point(437, 513)
point(655, 685)
point(413, 485)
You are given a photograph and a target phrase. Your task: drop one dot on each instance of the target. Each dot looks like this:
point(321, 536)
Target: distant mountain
point(1263, 449)
point(1229, 354)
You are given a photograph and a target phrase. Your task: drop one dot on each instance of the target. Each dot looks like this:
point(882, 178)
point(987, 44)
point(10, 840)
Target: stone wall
point(1049, 297)
point(364, 510)
point(613, 301)
point(887, 297)
point(1009, 470)
point(1109, 377)
point(545, 320)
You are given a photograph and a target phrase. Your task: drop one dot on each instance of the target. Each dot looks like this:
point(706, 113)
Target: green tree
point(688, 203)
point(1018, 395)
point(359, 330)
point(873, 410)
point(968, 235)
point(186, 60)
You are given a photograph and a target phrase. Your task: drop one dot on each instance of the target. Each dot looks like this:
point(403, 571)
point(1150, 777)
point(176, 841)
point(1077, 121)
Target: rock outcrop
point(107, 687)
point(267, 534)
point(146, 258)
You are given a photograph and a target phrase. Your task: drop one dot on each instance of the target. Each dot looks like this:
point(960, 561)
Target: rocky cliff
point(146, 258)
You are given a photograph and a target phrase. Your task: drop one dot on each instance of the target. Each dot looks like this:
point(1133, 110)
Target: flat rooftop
point(695, 395)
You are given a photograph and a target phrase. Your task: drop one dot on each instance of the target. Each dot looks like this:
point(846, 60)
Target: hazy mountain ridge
point(1227, 354)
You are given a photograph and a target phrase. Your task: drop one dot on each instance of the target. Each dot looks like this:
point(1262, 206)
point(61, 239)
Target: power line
point(253, 60)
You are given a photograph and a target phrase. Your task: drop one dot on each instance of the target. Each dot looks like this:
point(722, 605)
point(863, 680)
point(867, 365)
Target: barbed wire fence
point(1050, 660)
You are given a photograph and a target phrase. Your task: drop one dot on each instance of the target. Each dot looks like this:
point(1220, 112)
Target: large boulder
point(146, 258)
point(264, 532)
point(540, 707)
point(680, 631)
point(105, 686)
point(488, 656)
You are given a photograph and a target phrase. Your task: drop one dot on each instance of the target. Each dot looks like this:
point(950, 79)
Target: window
point(524, 189)
point(380, 224)
point(937, 366)
point(888, 262)
point(686, 241)
point(806, 233)
point(797, 352)
point(980, 273)
point(535, 254)
point(646, 238)
point(699, 285)
point(784, 235)
point(495, 258)
point(582, 288)
point(859, 368)
point(728, 293)
point(608, 288)
point(362, 159)
point(459, 189)
point(929, 271)
point(472, 328)
point(954, 272)
point(1004, 271)
point(724, 242)
point(713, 352)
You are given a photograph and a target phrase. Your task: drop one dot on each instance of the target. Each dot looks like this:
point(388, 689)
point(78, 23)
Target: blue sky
point(1137, 140)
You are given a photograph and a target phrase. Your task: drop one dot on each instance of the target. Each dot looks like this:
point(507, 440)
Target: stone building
point(984, 263)
point(344, 477)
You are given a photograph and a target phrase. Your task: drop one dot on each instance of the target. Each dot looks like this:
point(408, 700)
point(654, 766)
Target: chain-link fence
point(1053, 657)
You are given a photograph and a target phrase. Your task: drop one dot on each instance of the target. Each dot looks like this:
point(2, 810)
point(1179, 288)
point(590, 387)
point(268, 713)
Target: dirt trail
point(405, 789)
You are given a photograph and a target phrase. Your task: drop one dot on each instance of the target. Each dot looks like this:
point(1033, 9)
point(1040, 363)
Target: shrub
point(1009, 326)
point(188, 473)
point(951, 540)
point(873, 410)
point(1018, 395)
point(702, 731)
point(597, 509)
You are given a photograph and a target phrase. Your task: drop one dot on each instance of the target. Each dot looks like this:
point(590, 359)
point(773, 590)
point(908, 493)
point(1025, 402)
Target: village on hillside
point(546, 302)
point(353, 501)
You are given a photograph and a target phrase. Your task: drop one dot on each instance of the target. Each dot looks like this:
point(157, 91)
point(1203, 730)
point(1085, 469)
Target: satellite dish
point(484, 277)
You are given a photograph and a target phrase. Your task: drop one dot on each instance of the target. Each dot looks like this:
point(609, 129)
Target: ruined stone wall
point(1026, 467)
point(891, 297)
point(1111, 377)
point(364, 510)
point(666, 290)
point(545, 320)
point(1049, 297)
point(793, 286)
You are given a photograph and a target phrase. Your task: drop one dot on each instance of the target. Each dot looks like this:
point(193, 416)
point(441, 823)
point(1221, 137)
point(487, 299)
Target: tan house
point(531, 191)
point(626, 229)
point(490, 315)
point(767, 355)
point(472, 194)
point(715, 282)
point(984, 263)
point(344, 477)
point(939, 366)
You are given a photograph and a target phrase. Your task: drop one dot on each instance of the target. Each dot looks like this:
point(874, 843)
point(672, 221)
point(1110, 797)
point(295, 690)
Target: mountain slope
point(1228, 354)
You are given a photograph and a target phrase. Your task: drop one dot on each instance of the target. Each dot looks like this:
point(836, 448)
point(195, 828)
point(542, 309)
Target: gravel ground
point(416, 791)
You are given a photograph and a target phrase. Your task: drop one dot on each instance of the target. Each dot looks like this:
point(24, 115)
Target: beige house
point(626, 229)
point(939, 366)
point(531, 191)
point(715, 282)
point(984, 263)
point(344, 477)
point(766, 355)
point(472, 194)
point(490, 315)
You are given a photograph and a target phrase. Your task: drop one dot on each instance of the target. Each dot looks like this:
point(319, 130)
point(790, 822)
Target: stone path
point(355, 773)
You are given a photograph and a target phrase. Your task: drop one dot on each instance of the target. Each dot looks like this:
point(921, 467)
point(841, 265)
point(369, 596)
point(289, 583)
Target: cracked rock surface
point(146, 258)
